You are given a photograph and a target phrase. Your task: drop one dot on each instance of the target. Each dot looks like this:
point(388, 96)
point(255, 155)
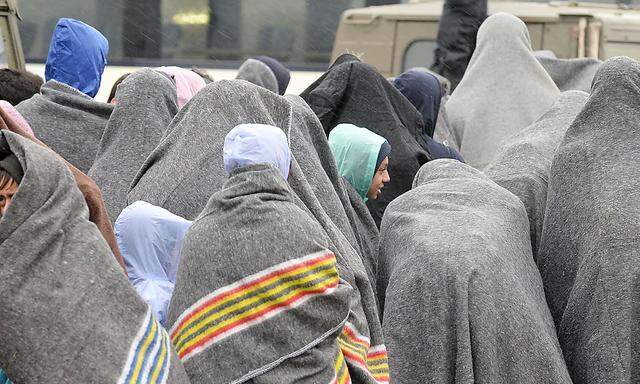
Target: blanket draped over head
point(187, 168)
point(571, 74)
point(147, 103)
point(524, 163)
point(69, 315)
point(354, 92)
point(590, 243)
point(258, 296)
point(68, 121)
point(92, 194)
point(258, 73)
point(504, 90)
point(463, 300)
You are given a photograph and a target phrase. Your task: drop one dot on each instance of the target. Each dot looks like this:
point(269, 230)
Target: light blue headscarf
point(356, 151)
point(249, 144)
point(77, 56)
point(150, 239)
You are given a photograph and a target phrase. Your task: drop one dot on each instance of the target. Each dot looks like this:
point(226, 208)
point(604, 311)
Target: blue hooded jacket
point(77, 56)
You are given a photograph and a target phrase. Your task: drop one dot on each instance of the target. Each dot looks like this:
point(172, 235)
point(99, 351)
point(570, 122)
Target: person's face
point(379, 179)
point(6, 194)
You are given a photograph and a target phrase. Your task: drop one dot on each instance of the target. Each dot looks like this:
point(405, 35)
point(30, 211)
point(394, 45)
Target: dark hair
point(5, 179)
point(17, 86)
point(6, 182)
point(112, 95)
point(204, 74)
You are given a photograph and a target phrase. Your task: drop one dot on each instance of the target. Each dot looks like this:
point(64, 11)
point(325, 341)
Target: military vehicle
point(11, 54)
point(394, 38)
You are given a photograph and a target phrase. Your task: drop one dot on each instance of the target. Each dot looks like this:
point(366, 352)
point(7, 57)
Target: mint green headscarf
point(3, 378)
point(356, 151)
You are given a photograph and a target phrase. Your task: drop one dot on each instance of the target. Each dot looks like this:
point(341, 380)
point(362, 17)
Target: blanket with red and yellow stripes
point(367, 362)
point(255, 323)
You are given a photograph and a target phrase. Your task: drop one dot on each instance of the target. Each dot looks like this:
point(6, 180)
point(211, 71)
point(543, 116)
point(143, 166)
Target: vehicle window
point(217, 33)
point(419, 54)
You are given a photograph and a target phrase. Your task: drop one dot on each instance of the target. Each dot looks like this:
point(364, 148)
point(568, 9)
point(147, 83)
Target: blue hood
point(77, 56)
point(423, 91)
point(425, 94)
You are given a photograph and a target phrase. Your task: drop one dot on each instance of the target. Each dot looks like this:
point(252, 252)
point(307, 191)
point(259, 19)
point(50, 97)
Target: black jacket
point(457, 37)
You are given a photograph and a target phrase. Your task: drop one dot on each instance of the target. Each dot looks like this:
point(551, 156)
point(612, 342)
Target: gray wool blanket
point(311, 184)
point(524, 163)
point(311, 148)
point(191, 152)
point(186, 169)
point(504, 90)
point(571, 74)
point(366, 231)
point(443, 132)
point(258, 297)
point(69, 314)
point(147, 103)
point(463, 299)
point(258, 73)
point(590, 244)
point(68, 121)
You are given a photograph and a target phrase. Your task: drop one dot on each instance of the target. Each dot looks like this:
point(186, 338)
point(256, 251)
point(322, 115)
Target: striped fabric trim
point(342, 372)
point(253, 300)
point(149, 355)
point(357, 351)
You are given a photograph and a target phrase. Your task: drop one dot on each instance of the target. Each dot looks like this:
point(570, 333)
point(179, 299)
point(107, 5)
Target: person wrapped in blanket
point(258, 295)
point(10, 176)
point(62, 289)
